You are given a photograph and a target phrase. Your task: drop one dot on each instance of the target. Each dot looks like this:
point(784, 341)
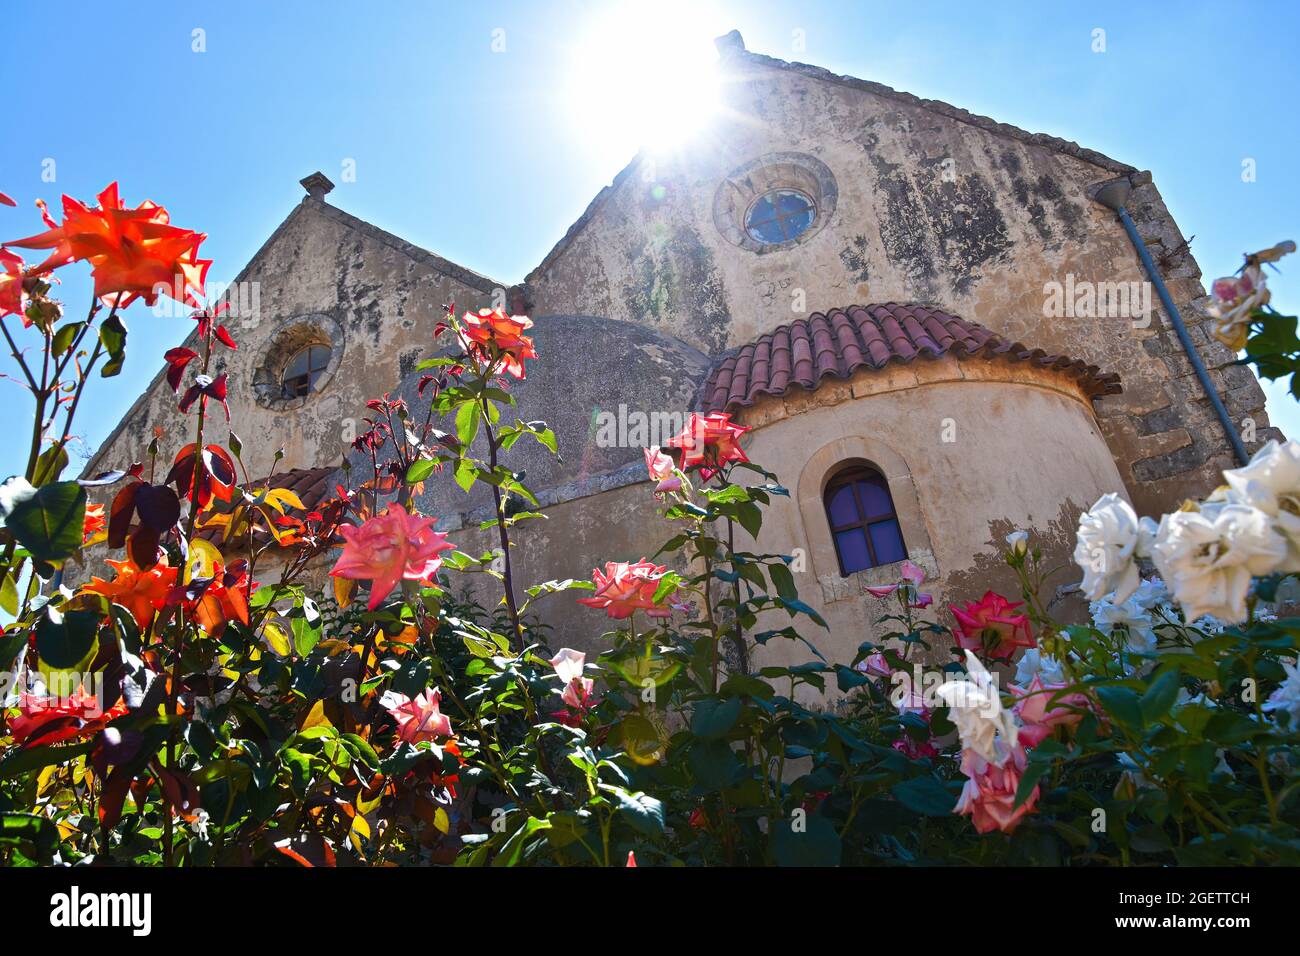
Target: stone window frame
point(818, 472)
point(746, 184)
point(294, 335)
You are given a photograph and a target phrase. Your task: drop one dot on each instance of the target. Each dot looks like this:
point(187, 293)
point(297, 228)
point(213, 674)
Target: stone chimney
point(317, 185)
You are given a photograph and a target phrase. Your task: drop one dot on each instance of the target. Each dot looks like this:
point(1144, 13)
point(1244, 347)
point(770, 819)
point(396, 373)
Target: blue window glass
point(779, 216)
point(887, 541)
point(852, 548)
point(864, 526)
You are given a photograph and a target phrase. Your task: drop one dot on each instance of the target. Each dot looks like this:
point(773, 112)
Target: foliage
point(205, 705)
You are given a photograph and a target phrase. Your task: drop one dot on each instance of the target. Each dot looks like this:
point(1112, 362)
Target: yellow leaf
point(277, 638)
point(278, 498)
point(316, 717)
point(43, 780)
point(441, 820)
point(365, 806)
point(344, 590)
point(360, 826)
point(203, 560)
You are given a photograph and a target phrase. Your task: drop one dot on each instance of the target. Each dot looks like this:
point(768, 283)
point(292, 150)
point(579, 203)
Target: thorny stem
point(507, 577)
point(173, 691)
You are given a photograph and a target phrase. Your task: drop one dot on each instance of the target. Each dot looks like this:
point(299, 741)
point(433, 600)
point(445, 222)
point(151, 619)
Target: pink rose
point(662, 471)
point(625, 588)
point(988, 626)
point(418, 719)
point(875, 665)
point(912, 574)
point(388, 548)
point(1039, 715)
point(989, 796)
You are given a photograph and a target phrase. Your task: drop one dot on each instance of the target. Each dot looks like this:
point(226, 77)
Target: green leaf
point(8, 599)
point(783, 580)
point(112, 335)
point(812, 841)
point(360, 748)
point(1160, 696)
point(50, 465)
point(467, 419)
point(750, 517)
point(48, 522)
point(420, 469)
point(644, 813)
point(924, 795)
point(1122, 704)
point(67, 642)
point(712, 719)
point(36, 758)
point(63, 337)
point(514, 847)
point(11, 645)
point(846, 678)
point(714, 765)
point(466, 474)
point(41, 833)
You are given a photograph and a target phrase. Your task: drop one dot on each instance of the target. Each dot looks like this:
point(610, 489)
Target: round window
point(780, 216)
point(303, 370)
point(777, 201)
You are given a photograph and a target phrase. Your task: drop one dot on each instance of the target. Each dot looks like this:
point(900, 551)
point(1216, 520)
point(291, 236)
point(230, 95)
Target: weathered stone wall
point(377, 297)
point(931, 205)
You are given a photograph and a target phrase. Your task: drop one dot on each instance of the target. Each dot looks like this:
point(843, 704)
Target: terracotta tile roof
point(311, 485)
point(842, 341)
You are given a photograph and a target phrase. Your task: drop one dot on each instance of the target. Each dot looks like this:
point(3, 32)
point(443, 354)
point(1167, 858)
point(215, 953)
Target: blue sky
point(487, 155)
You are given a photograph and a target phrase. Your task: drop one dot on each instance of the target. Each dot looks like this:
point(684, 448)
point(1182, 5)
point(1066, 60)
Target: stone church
point(914, 307)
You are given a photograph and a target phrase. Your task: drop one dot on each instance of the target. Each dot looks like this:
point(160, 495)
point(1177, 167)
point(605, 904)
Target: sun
point(644, 75)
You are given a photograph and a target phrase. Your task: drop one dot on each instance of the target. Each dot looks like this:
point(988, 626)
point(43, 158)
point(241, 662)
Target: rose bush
point(196, 704)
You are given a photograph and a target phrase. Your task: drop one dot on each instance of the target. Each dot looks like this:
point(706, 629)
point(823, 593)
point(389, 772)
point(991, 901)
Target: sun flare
point(644, 76)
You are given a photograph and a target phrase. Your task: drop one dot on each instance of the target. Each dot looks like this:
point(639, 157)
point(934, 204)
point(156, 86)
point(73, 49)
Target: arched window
point(865, 528)
point(302, 371)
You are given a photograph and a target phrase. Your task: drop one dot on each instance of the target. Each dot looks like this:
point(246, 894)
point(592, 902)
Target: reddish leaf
point(120, 514)
point(177, 359)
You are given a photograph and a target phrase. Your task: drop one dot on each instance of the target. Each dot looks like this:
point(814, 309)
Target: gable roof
point(731, 46)
point(308, 205)
point(806, 352)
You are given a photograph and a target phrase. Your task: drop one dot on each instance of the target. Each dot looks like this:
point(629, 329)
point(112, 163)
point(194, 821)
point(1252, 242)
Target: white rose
point(1107, 543)
point(1034, 663)
point(1287, 695)
point(975, 707)
point(1141, 635)
point(1271, 483)
point(1152, 592)
point(568, 664)
point(1018, 542)
point(1208, 557)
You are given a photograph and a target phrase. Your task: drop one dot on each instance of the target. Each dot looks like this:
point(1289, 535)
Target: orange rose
point(133, 253)
point(140, 592)
point(497, 340)
point(709, 442)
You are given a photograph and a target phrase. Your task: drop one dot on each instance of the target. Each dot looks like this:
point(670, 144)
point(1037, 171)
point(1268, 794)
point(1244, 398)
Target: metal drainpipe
point(1113, 196)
